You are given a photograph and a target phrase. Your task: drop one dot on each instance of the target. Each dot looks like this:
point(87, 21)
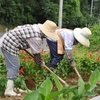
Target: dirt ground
point(13, 98)
point(71, 80)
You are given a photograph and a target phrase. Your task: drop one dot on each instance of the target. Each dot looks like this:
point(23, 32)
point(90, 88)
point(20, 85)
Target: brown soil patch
point(71, 80)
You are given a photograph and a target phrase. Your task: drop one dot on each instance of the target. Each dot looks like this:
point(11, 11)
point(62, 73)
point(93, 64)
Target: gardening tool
point(48, 69)
point(55, 74)
point(77, 72)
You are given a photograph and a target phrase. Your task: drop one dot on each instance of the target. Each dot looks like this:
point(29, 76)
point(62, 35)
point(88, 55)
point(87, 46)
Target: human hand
point(73, 64)
point(38, 59)
point(43, 63)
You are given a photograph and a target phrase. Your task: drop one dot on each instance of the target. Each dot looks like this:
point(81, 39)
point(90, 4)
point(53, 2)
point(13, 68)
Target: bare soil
point(71, 80)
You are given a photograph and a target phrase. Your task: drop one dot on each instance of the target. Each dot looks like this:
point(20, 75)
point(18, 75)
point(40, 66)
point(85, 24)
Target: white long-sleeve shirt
point(68, 37)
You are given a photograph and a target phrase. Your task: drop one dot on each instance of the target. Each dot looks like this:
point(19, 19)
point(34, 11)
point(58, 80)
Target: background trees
point(76, 13)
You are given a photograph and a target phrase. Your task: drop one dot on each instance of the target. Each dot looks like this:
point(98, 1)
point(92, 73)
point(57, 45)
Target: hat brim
point(80, 38)
point(49, 34)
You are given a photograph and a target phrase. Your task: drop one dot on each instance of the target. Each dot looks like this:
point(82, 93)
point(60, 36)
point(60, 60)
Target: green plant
point(2, 65)
point(88, 63)
point(19, 82)
point(3, 80)
point(63, 68)
point(79, 92)
point(31, 69)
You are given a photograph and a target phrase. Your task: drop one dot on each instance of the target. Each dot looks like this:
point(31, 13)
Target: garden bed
point(72, 80)
point(88, 63)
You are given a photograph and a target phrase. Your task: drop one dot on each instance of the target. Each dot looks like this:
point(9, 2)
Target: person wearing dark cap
point(64, 45)
point(24, 37)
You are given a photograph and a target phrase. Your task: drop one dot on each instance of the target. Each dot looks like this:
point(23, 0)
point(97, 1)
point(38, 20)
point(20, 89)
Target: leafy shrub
point(94, 39)
point(79, 92)
point(3, 80)
point(31, 69)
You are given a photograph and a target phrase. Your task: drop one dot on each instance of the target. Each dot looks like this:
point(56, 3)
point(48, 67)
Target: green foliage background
point(94, 39)
point(76, 13)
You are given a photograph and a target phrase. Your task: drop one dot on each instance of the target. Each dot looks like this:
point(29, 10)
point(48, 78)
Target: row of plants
point(87, 61)
point(29, 69)
point(82, 91)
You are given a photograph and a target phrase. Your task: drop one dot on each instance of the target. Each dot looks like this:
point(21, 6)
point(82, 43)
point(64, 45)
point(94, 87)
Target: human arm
point(38, 59)
point(68, 43)
point(70, 58)
point(35, 45)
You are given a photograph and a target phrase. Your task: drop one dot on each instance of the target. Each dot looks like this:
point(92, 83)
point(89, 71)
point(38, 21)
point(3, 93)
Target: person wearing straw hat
point(64, 45)
point(23, 37)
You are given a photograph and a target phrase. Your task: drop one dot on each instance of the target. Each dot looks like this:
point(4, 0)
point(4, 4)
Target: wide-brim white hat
point(82, 35)
point(49, 29)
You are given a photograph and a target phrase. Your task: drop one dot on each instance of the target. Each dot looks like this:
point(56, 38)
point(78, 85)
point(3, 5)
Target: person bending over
point(64, 45)
point(24, 37)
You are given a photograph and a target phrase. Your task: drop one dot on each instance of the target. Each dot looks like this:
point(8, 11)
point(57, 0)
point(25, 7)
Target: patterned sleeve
point(35, 44)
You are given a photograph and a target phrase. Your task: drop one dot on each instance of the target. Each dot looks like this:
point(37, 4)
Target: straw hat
point(49, 29)
point(82, 35)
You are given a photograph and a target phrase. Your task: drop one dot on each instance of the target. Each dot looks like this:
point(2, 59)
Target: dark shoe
point(51, 65)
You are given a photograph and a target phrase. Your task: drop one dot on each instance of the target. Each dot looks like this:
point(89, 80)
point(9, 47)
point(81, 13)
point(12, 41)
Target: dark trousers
point(55, 57)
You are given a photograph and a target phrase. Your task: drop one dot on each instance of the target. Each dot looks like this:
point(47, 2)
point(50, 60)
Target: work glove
point(69, 56)
point(38, 59)
point(43, 64)
point(73, 64)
